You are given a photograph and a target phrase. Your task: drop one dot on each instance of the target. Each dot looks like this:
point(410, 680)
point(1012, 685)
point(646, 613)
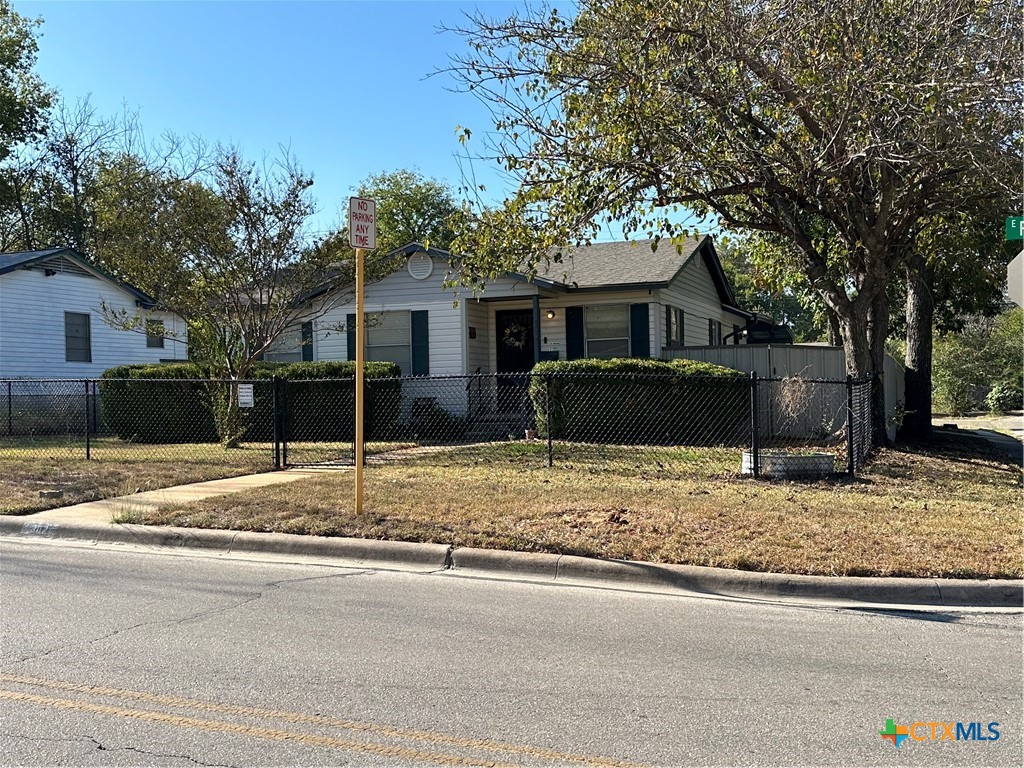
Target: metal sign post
point(362, 235)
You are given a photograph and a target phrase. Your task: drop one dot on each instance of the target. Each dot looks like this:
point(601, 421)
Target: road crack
point(99, 746)
point(266, 589)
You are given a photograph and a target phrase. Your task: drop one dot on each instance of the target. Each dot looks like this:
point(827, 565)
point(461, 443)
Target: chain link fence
point(711, 426)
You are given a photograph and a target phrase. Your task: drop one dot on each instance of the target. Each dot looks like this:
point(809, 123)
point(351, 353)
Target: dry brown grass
point(28, 467)
point(952, 509)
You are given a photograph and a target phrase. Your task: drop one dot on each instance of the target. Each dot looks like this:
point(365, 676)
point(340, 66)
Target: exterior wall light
point(551, 314)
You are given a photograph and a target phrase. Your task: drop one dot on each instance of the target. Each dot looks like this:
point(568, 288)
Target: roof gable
point(29, 259)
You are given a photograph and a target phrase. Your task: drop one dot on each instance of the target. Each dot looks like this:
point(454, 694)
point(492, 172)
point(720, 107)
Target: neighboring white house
point(51, 324)
point(619, 299)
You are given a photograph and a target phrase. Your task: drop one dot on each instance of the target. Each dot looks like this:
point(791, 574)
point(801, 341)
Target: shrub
point(319, 399)
point(1004, 397)
point(167, 402)
point(432, 422)
point(682, 402)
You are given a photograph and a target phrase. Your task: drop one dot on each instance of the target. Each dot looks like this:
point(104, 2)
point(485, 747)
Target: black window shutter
point(350, 332)
point(711, 332)
point(420, 343)
point(668, 326)
point(639, 330)
point(307, 342)
point(574, 339)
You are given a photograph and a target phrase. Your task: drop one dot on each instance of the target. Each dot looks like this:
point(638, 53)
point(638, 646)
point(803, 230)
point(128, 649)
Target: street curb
point(384, 554)
point(541, 567)
point(725, 582)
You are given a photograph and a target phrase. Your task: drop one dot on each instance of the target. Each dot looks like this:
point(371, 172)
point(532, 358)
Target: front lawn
point(950, 509)
point(117, 468)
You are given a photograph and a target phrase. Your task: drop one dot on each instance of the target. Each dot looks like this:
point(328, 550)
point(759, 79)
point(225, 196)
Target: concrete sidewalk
point(91, 524)
point(101, 512)
point(1005, 433)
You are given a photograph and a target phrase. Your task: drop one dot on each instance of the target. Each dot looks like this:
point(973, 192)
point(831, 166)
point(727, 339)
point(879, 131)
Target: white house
point(619, 299)
point(51, 324)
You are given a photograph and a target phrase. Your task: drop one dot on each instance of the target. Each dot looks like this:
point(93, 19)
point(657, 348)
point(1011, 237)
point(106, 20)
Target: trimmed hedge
point(682, 402)
point(319, 401)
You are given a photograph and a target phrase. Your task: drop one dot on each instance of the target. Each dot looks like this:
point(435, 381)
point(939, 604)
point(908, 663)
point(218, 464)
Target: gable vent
point(65, 266)
point(420, 266)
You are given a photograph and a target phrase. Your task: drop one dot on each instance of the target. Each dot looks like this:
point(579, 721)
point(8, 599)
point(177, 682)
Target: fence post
point(95, 408)
point(547, 416)
point(283, 397)
point(755, 430)
point(276, 421)
point(88, 445)
point(851, 461)
point(10, 411)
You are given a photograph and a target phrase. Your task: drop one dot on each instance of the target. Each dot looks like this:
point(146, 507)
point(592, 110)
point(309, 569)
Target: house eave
point(141, 299)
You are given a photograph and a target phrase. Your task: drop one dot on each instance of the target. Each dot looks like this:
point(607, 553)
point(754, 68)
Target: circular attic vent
point(420, 266)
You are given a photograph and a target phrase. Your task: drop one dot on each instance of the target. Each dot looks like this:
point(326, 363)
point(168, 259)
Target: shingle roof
point(9, 261)
point(601, 265)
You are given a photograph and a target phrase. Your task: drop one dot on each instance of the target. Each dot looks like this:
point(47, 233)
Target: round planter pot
point(789, 464)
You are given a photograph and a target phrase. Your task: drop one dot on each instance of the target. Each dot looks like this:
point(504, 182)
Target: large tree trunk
point(864, 343)
point(878, 332)
point(917, 420)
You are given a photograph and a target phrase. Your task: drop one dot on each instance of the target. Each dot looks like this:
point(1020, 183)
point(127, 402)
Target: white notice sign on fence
point(245, 396)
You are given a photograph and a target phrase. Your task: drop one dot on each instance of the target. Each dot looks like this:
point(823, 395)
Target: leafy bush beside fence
point(175, 409)
point(682, 402)
point(175, 402)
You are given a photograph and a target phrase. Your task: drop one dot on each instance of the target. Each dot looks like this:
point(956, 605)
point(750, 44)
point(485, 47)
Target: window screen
point(77, 338)
point(155, 333)
point(389, 339)
point(607, 331)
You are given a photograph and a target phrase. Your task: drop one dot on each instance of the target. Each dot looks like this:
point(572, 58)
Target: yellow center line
point(306, 719)
point(382, 750)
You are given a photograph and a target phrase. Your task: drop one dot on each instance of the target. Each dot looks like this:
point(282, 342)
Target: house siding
point(478, 317)
point(552, 330)
point(32, 308)
point(693, 291)
point(399, 291)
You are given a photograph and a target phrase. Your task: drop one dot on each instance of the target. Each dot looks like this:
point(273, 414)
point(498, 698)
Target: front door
point(514, 329)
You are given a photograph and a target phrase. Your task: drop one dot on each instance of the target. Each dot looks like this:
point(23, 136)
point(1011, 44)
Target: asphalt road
point(122, 657)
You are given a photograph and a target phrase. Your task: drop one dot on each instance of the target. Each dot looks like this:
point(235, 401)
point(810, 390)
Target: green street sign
point(1015, 228)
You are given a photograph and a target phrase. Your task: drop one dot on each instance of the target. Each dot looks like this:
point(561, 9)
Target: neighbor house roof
point(28, 259)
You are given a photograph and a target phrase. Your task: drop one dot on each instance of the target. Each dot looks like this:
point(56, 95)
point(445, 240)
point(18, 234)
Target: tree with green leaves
point(24, 98)
point(841, 128)
point(230, 253)
point(761, 283)
point(24, 102)
point(411, 208)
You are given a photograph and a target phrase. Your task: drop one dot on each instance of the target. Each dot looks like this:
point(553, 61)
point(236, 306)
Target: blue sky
point(343, 85)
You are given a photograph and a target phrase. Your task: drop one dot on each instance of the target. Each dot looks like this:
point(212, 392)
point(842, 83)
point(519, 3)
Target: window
point(155, 333)
point(287, 347)
point(293, 345)
point(389, 339)
point(77, 338)
point(674, 328)
point(607, 331)
point(714, 332)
